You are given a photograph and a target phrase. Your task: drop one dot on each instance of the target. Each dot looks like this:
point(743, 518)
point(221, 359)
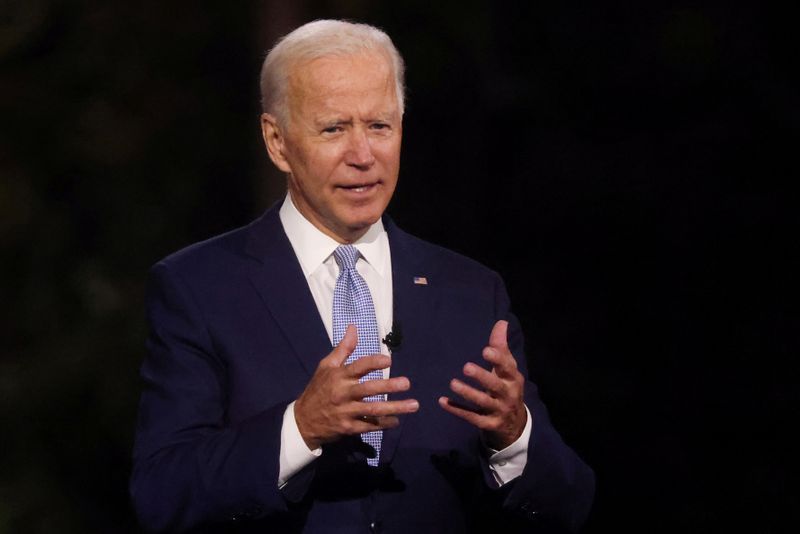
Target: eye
point(380, 126)
point(332, 129)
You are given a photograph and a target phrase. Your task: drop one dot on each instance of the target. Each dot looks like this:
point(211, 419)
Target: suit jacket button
point(375, 526)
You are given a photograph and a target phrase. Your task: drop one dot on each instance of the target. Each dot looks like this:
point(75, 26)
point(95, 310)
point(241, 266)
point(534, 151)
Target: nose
point(359, 152)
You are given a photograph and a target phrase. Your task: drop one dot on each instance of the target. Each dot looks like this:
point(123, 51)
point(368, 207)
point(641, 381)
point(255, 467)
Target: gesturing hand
point(332, 404)
point(501, 413)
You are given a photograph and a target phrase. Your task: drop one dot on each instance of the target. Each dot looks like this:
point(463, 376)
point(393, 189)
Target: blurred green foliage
point(127, 131)
point(122, 126)
point(624, 167)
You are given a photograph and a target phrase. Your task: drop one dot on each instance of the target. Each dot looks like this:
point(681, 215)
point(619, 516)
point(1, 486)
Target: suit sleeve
point(556, 487)
point(190, 465)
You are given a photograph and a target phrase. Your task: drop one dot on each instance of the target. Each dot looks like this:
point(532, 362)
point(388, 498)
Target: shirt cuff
point(508, 464)
point(295, 454)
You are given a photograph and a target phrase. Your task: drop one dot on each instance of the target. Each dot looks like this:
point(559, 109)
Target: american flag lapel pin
point(420, 281)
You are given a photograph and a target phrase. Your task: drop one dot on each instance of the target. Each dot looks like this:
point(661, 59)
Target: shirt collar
point(313, 247)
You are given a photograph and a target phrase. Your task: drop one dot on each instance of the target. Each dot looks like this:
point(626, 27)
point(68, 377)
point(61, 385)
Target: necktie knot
point(346, 256)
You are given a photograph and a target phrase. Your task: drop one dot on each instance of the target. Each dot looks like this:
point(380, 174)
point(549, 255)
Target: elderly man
point(303, 372)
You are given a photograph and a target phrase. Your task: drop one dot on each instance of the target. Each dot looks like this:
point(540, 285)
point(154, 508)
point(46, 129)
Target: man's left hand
point(500, 411)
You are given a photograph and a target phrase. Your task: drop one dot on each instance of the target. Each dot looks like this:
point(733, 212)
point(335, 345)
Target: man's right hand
point(332, 404)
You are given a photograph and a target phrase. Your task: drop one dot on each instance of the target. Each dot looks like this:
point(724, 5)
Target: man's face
point(341, 148)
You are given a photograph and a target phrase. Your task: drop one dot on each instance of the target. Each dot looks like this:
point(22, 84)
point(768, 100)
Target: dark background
point(628, 169)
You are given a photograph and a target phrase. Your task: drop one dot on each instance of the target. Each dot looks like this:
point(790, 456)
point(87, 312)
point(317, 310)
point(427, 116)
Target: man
point(270, 404)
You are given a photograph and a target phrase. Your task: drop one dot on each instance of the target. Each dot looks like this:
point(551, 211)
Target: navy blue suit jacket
point(235, 336)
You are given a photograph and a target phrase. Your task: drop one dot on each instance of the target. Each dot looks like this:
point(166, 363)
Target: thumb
point(498, 337)
point(345, 347)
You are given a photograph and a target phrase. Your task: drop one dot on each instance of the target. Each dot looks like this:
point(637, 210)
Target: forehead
point(334, 80)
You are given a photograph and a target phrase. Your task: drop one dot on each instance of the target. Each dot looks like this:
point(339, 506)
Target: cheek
point(389, 153)
point(314, 171)
point(324, 163)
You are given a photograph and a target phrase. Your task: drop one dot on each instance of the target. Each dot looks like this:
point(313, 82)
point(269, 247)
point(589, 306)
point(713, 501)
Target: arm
point(555, 486)
point(190, 465)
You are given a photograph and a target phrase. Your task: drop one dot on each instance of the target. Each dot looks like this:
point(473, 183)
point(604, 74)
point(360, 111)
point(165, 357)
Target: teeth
point(358, 188)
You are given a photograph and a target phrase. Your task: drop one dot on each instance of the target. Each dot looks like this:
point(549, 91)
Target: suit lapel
point(414, 309)
point(279, 280)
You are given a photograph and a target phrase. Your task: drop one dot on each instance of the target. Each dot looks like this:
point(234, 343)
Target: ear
point(275, 142)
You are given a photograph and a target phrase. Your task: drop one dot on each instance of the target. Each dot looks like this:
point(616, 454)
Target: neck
point(344, 236)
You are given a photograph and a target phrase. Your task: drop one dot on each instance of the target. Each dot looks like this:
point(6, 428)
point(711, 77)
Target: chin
point(361, 225)
point(363, 216)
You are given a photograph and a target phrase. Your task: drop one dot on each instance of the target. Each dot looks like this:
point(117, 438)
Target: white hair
point(319, 39)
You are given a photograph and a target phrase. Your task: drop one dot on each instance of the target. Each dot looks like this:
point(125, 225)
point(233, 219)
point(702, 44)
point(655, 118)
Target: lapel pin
point(420, 280)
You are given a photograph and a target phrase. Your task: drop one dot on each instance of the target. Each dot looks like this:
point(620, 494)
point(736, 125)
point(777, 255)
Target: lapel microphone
point(394, 338)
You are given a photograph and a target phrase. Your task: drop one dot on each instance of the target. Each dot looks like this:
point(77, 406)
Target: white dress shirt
point(314, 251)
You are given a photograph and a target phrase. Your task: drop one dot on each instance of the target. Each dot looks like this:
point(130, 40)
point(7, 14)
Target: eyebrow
point(333, 121)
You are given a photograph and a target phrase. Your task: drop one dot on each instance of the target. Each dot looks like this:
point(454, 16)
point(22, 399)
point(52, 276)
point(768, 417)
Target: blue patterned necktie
point(352, 304)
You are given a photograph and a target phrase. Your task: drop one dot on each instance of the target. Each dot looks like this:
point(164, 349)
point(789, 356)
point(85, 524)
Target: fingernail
point(414, 405)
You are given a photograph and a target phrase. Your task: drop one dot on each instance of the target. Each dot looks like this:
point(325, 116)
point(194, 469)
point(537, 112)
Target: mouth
point(360, 188)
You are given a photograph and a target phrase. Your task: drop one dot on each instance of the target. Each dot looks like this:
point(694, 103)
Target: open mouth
point(360, 188)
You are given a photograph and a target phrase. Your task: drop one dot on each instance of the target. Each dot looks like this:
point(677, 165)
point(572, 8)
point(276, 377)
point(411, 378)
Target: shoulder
point(225, 252)
point(462, 287)
point(446, 264)
point(217, 248)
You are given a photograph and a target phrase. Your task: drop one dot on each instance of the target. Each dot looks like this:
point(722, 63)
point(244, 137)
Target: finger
point(498, 338)
point(382, 408)
point(345, 347)
point(369, 388)
point(365, 364)
point(486, 379)
point(503, 362)
point(481, 399)
point(368, 423)
point(476, 419)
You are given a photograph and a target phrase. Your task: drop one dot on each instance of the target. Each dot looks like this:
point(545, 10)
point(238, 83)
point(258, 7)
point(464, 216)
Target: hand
point(332, 404)
point(501, 413)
